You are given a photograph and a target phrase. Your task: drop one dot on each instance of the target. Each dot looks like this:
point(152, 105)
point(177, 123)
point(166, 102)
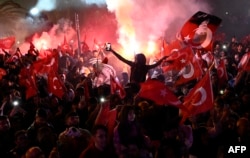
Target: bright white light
point(45, 5)
point(15, 103)
point(224, 46)
point(98, 2)
point(102, 99)
point(34, 11)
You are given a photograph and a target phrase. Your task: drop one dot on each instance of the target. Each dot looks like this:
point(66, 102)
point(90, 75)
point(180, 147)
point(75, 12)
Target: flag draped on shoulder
point(7, 43)
point(200, 98)
point(158, 92)
point(199, 30)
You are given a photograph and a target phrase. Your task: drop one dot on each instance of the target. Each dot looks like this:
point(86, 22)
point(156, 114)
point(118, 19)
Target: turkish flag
point(112, 117)
point(107, 117)
point(102, 117)
point(65, 46)
point(178, 59)
point(222, 74)
point(244, 62)
point(168, 49)
point(159, 93)
point(55, 85)
point(7, 43)
point(192, 70)
point(14, 57)
point(27, 80)
point(199, 30)
point(116, 87)
point(45, 65)
point(2, 73)
point(200, 98)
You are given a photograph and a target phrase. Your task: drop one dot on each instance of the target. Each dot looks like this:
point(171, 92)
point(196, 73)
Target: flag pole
point(78, 34)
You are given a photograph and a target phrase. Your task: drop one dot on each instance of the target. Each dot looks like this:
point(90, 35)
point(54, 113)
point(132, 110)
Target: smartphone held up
point(108, 46)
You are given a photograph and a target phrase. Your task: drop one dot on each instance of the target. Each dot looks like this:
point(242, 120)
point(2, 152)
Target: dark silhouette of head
point(140, 59)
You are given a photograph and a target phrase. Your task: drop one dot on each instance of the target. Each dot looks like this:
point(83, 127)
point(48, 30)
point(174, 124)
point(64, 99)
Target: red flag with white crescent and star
point(55, 85)
point(158, 92)
point(43, 66)
point(200, 98)
point(65, 46)
point(178, 59)
point(173, 46)
point(199, 30)
point(222, 74)
point(27, 80)
point(186, 64)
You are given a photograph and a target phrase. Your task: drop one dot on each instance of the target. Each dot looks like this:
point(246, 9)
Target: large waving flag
point(43, 66)
point(158, 92)
point(178, 59)
point(7, 43)
point(173, 46)
point(190, 72)
point(199, 30)
point(200, 98)
point(186, 64)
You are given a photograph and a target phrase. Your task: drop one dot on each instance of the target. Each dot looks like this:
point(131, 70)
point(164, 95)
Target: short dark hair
point(97, 127)
point(19, 133)
point(41, 112)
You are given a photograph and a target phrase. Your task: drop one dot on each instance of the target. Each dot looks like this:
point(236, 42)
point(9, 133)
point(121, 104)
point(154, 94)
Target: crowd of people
point(80, 124)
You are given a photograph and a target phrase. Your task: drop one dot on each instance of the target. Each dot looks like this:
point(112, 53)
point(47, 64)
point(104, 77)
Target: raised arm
point(130, 63)
point(157, 63)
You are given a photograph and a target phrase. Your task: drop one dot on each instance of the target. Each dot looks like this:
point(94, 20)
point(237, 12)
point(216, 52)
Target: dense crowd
point(80, 124)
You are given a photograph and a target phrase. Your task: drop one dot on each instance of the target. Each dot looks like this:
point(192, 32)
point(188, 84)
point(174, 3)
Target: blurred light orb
point(34, 11)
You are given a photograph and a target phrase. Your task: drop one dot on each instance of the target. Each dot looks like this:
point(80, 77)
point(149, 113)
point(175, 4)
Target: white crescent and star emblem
point(202, 36)
point(174, 51)
point(220, 72)
point(55, 81)
point(203, 93)
point(187, 38)
point(190, 73)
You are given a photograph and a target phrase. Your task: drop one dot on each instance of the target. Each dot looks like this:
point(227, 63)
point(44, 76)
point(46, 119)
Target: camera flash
point(15, 103)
